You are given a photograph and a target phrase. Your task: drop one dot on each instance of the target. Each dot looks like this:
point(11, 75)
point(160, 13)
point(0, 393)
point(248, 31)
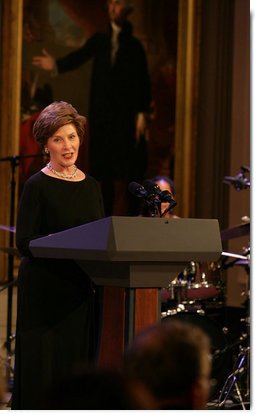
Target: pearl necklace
point(63, 175)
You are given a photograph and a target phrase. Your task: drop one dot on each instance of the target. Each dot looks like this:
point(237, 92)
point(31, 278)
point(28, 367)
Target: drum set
point(198, 296)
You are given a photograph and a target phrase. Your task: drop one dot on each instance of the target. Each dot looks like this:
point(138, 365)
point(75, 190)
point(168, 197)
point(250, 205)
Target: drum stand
point(233, 382)
point(238, 381)
point(14, 162)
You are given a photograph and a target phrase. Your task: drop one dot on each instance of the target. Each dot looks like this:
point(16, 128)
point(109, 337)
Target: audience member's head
point(165, 184)
point(98, 389)
point(173, 362)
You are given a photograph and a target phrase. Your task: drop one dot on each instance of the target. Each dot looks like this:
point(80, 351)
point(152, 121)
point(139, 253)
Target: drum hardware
point(242, 229)
point(190, 307)
point(193, 290)
point(240, 181)
point(231, 255)
point(190, 297)
point(240, 260)
point(237, 262)
point(14, 161)
point(233, 381)
point(8, 228)
point(8, 284)
point(7, 352)
point(7, 361)
point(244, 262)
point(10, 250)
point(237, 383)
point(199, 310)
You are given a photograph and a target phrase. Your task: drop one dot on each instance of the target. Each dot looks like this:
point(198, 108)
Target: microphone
point(152, 187)
point(137, 190)
point(164, 195)
point(151, 199)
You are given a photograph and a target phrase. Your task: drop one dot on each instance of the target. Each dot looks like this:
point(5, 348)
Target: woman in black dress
point(56, 301)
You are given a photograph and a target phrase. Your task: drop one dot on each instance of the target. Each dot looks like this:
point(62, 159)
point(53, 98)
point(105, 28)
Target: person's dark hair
point(144, 207)
point(166, 179)
point(129, 5)
point(98, 389)
point(53, 117)
point(167, 358)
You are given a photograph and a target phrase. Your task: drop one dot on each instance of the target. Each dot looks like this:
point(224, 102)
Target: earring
point(46, 150)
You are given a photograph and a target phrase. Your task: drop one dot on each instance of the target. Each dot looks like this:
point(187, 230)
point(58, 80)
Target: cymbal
point(244, 262)
point(8, 228)
point(10, 251)
point(235, 232)
point(232, 255)
point(240, 260)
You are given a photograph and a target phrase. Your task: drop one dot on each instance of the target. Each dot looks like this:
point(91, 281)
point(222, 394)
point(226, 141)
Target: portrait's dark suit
point(119, 90)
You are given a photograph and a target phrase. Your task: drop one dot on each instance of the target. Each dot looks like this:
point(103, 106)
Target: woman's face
point(63, 147)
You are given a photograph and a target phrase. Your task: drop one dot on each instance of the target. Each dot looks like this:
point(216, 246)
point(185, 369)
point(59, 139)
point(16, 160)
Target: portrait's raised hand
point(45, 61)
point(141, 126)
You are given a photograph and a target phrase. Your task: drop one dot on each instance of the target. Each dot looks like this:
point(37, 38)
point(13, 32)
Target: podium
point(132, 258)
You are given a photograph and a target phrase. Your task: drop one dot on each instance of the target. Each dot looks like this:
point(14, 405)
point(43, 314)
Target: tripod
point(14, 162)
point(235, 381)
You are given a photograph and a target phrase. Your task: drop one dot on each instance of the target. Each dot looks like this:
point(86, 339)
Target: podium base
point(126, 311)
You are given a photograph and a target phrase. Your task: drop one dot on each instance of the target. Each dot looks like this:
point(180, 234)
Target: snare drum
point(196, 283)
point(208, 282)
point(222, 355)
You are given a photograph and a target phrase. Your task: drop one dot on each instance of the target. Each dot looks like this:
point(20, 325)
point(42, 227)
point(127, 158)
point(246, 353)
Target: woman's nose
point(67, 144)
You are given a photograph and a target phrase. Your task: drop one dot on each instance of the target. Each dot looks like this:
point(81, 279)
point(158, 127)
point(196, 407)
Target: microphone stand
point(154, 207)
point(168, 209)
point(14, 162)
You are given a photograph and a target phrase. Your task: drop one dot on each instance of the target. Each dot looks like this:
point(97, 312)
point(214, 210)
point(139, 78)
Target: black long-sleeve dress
point(55, 315)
